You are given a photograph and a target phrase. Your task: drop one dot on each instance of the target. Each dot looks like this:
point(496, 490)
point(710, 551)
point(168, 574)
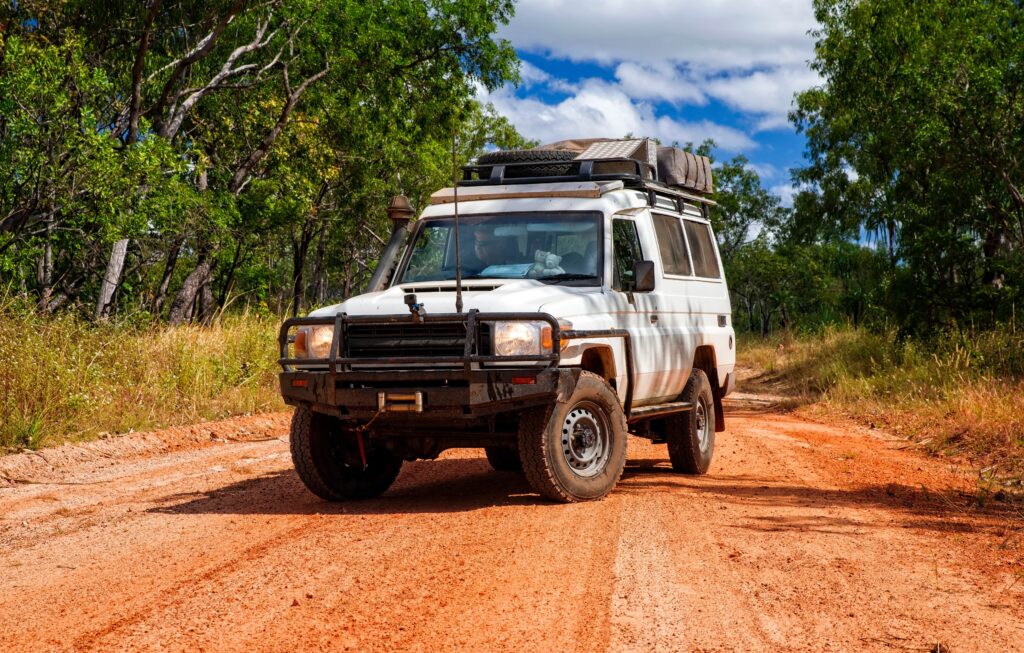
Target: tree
point(744, 208)
point(916, 134)
point(223, 138)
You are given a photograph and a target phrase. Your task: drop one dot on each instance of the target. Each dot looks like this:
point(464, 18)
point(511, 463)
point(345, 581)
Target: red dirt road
point(803, 537)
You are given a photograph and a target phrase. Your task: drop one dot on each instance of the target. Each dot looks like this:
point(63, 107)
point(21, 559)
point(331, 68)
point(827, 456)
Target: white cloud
point(661, 81)
point(600, 108)
point(767, 94)
point(751, 55)
point(712, 34)
point(766, 171)
point(532, 75)
point(786, 192)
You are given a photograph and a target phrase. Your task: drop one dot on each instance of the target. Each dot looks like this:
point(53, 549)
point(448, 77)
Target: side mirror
point(643, 276)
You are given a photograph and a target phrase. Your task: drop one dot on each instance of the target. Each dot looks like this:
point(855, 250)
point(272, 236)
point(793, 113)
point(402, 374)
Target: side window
point(671, 245)
point(626, 244)
point(703, 249)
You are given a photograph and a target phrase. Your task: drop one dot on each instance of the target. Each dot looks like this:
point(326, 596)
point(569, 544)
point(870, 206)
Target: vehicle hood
point(494, 296)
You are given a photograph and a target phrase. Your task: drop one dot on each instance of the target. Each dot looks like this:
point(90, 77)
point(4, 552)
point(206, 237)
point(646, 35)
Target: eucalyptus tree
point(227, 135)
point(916, 132)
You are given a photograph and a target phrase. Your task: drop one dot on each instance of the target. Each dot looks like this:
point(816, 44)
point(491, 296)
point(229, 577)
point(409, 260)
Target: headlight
point(314, 341)
point(522, 338)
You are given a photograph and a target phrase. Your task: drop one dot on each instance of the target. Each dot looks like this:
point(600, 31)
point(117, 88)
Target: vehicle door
point(636, 312)
point(675, 303)
point(709, 313)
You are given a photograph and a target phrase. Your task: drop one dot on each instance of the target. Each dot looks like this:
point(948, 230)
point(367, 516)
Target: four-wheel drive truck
point(550, 303)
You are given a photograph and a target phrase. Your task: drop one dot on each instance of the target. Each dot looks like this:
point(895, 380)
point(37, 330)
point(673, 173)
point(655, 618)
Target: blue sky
point(677, 70)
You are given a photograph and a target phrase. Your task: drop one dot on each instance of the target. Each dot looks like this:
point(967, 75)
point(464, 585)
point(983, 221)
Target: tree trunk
point(165, 281)
point(229, 278)
point(207, 306)
point(300, 248)
point(112, 278)
point(891, 229)
point(319, 291)
point(45, 272)
point(181, 307)
point(346, 290)
point(135, 110)
point(993, 246)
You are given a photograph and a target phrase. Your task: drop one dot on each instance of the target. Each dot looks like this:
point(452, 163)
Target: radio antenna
point(458, 250)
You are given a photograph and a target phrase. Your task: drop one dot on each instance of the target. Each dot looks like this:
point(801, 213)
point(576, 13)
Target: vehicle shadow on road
point(806, 507)
point(432, 486)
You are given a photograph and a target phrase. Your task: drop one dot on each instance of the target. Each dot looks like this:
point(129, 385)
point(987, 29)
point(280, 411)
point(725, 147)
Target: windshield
point(549, 247)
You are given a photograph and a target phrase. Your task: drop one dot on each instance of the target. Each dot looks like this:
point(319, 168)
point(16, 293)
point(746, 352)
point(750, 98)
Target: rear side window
point(703, 250)
point(671, 244)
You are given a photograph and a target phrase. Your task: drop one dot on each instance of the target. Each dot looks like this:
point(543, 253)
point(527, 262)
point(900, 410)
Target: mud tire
point(320, 451)
point(545, 457)
point(504, 459)
point(546, 157)
point(691, 435)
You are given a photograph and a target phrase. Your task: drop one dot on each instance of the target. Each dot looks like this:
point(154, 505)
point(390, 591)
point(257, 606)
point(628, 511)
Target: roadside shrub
point(961, 392)
point(63, 378)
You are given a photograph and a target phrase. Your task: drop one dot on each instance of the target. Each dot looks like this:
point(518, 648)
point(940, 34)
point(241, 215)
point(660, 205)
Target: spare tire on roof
point(547, 161)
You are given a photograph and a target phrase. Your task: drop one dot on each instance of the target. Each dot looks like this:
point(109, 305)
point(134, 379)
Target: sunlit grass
point(963, 393)
point(63, 378)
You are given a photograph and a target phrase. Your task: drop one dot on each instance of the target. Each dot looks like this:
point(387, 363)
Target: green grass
point(66, 379)
point(961, 394)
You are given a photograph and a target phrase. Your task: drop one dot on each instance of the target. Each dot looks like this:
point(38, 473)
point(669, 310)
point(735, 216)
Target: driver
point(488, 248)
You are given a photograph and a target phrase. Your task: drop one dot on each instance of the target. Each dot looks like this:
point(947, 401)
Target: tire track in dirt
point(803, 537)
point(174, 595)
point(648, 609)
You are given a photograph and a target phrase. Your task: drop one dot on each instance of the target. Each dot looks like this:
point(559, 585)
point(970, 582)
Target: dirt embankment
point(803, 537)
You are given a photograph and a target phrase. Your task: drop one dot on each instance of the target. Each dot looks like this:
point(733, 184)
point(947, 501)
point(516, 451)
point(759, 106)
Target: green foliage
point(246, 150)
point(916, 135)
point(743, 206)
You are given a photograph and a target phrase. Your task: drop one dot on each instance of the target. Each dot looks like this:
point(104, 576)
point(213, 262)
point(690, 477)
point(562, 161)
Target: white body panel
point(686, 309)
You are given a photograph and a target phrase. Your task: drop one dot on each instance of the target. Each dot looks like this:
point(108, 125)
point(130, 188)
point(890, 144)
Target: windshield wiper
point(568, 276)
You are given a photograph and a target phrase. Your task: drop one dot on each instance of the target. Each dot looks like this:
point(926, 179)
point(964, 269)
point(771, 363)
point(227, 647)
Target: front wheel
point(327, 459)
point(575, 451)
point(691, 435)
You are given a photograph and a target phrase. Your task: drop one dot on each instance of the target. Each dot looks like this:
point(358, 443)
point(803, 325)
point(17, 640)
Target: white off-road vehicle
point(550, 303)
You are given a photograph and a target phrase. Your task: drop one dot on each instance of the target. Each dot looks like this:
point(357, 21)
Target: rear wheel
point(327, 459)
point(691, 435)
point(504, 459)
point(575, 451)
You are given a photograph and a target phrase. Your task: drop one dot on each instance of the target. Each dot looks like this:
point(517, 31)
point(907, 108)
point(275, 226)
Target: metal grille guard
point(336, 361)
point(339, 364)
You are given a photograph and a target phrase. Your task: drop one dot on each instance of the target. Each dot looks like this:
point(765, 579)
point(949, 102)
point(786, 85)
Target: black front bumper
point(410, 395)
point(466, 382)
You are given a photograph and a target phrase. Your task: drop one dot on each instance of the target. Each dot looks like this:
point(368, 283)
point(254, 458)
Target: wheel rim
point(584, 439)
point(703, 425)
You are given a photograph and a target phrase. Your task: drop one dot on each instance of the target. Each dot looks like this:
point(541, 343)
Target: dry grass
point(960, 395)
point(65, 379)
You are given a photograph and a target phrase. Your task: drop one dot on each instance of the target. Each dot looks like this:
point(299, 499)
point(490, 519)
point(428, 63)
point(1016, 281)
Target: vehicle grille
point(410, 340)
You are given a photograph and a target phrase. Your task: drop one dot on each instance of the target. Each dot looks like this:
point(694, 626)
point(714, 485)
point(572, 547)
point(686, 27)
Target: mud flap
point(719, 412)
point(717, 391)
point(567, 380)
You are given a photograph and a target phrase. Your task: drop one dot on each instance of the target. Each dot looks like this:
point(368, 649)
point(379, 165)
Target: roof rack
point(632, 173)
